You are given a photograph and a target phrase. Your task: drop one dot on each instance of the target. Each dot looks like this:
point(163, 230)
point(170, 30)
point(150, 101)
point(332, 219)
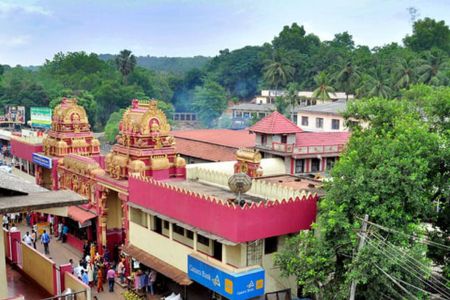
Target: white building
point(326, 117)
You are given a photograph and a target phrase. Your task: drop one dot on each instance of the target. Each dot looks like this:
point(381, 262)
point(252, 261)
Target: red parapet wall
point(234, 223)
point(24, 150)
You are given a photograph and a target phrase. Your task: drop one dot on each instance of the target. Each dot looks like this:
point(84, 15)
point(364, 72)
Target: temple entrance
point(46, 178)
point(114, 230)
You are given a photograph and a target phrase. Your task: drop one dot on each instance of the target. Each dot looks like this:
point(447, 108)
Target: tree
point(385, 172)
point(404, 73)
point(428, 34)
point(209, 102)
point(432, 69)
point(324, 87)
point(125, 63)
point(378, 84)
point(277, 72)
point(112, 126)
point(347, 77)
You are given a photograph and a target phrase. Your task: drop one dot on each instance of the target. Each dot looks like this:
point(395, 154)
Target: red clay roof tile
point(275, 123)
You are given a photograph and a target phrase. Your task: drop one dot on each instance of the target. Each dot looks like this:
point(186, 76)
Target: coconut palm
point(404, 73)
point(277, 72)
point(125, 63)
point(431, 69)
point(347, 78)
point(378, 85)
point(324, 87)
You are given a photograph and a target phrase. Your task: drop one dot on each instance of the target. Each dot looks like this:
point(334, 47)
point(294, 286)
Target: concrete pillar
point(224, 254)
point(3, 282)
point(195, 241)
point(171, 231)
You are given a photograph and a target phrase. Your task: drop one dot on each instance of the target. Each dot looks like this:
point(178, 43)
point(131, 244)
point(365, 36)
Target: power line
point(415, 236)
point(411, 270)
point(413, 260)
point(396, 282)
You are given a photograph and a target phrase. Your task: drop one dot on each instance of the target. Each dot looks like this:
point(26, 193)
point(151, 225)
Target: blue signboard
point(244, 285)
point(42, 160)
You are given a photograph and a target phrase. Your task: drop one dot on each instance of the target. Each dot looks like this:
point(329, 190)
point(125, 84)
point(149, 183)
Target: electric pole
point(362, 241)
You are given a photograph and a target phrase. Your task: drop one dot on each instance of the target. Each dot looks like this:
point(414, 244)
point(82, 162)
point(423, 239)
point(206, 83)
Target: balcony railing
point(313, 149)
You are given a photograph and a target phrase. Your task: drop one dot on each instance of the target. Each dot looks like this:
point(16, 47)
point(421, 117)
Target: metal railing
point(67, 296)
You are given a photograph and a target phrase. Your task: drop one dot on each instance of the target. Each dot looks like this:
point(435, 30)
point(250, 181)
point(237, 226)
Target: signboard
point(42, 160)
point(13, 114)
point(41, 117)
point(234, 286)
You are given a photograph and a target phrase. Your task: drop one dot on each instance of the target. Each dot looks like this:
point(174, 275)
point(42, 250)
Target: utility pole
point(362, 241)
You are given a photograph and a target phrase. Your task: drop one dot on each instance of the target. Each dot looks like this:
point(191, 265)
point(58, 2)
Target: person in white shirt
point(13, 228)
point(27, 239)
point(5, 221)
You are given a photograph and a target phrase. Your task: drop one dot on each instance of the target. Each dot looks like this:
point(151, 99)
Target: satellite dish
point(240, 183)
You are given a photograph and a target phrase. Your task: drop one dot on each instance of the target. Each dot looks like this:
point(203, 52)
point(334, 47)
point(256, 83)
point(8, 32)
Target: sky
point(32, 31)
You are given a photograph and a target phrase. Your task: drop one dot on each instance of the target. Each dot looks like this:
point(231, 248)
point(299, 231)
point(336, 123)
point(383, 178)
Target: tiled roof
point(212, 144)
point(223, 137)
point(321, 138)
point(275, 123)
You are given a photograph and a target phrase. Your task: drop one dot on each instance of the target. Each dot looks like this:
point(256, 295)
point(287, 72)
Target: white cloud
point(15, 41)
point(8, 8)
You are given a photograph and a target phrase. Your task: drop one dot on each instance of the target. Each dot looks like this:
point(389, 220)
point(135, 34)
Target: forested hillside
point(294, 59)
point(178, 65)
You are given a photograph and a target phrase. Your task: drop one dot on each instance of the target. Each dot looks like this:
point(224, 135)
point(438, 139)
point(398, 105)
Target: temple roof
point(275, 123)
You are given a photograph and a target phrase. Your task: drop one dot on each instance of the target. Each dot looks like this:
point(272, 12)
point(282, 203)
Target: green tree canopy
point(427, 34)
point(387, 172)
point(209, 102)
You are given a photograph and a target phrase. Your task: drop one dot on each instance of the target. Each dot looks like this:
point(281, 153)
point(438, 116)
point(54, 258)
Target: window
point(263, 139)
point(166, 225)
point(157, 225)
point(137, 216)
point(189, 234)
point(299, 166)
point(319, 122)
point(294, 118)
point(178, 229)
point(203, 240)
point(335, 124)
point(315, 165)
point(271, 245)
point(305, 121)
point(330, 162)
point(284, 139)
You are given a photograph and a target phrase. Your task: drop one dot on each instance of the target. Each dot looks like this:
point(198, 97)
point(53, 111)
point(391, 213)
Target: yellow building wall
point(38, 267)
point(114, 219)
point(77, 286)
point(157, 245)
point(183, 239)
point(233, 255)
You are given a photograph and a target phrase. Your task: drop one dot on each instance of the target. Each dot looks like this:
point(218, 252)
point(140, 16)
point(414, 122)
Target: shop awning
point(155, 263)
point(80, 215)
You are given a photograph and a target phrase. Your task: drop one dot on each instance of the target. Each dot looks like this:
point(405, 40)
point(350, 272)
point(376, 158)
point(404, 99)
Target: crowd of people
point(95, 269)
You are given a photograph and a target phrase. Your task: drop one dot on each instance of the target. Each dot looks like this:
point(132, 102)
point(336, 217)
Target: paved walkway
point(60, 253)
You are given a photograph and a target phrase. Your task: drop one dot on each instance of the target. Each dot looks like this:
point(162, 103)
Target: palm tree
point(125, 63)
point(404, 73)
point(347, 78)
point(277, 72)
point(431, 69)
point(324, 88)
point(378, 85)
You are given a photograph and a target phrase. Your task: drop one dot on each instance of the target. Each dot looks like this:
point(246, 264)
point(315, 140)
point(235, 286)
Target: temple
point(175, 218)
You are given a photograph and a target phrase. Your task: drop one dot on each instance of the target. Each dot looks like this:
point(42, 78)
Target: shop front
point(45, 173)
point(247, 284)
